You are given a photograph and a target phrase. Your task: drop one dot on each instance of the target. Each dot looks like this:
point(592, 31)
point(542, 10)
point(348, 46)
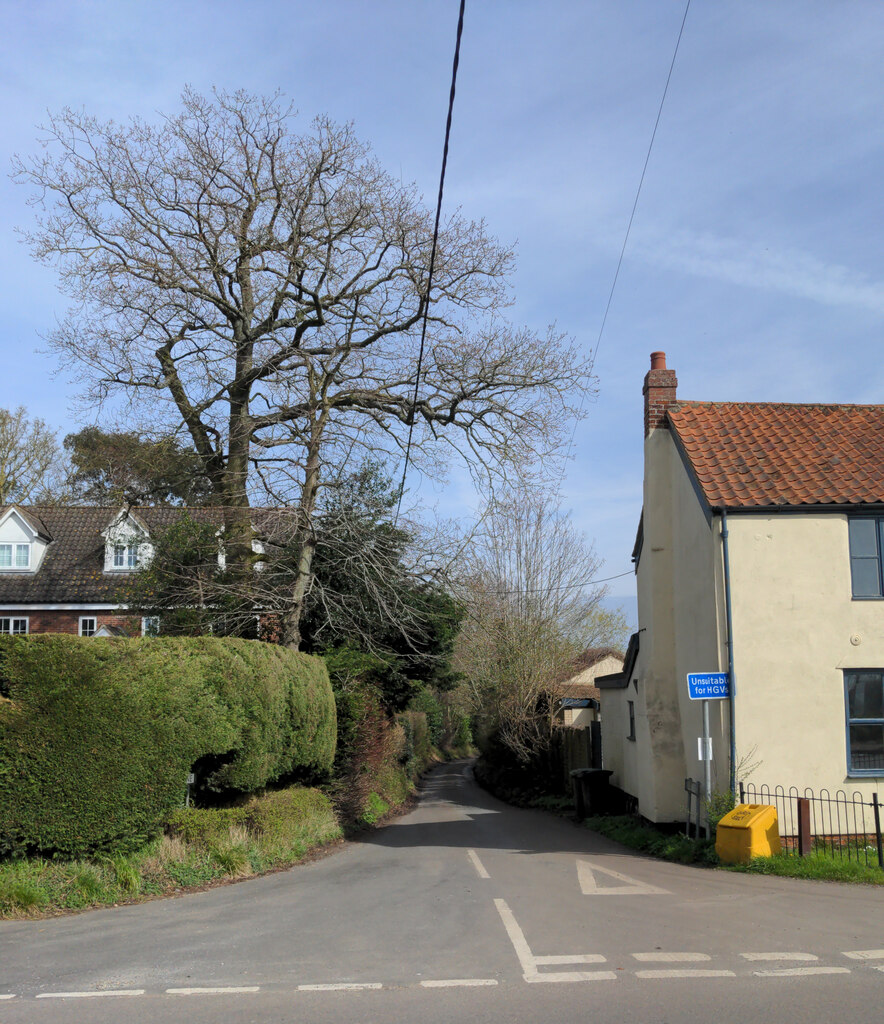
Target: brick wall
point(69, 621)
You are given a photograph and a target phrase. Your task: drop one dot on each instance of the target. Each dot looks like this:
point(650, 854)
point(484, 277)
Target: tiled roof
point(72, 570)
point(580, 691)
point(757, 454)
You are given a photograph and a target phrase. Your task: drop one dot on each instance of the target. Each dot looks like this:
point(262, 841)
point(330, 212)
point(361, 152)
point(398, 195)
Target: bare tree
point(531, 609)
point(264, 290)
point(30, 461)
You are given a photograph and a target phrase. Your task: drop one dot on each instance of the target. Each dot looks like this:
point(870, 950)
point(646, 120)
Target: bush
point(97, 736)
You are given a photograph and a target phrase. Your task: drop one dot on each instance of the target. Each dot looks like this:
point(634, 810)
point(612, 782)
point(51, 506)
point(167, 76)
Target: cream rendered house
point(759, 553)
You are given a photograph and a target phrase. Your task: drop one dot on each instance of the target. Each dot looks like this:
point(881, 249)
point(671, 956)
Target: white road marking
point(566, 976)
point(685, 972)
point(586, 871)
point(797, 972)
point(778, 956)
point(670, 958)
point(340, 986)
point(217, 990)
point(874, 967)
point(477, 864)
point(865, 954)
point(459, 982)
point(530, 963)
point(576, 958)
point(9, 996)
point(91, 995)
point(517, 938)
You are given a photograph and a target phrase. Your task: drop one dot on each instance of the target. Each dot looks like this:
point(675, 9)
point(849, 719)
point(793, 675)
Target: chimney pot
point(658, 360)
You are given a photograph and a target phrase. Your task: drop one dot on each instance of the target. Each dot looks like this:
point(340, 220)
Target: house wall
point(681, 614)
point(796, 626)
point(69, 621)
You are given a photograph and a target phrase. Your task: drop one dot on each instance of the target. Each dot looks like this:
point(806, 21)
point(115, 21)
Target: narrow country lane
point(464, 909)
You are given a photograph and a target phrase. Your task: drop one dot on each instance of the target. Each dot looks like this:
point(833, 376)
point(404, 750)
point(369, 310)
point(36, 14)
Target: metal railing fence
point(838, 825)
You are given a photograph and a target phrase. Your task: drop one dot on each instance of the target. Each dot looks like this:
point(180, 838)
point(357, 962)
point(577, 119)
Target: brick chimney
point(659, 392)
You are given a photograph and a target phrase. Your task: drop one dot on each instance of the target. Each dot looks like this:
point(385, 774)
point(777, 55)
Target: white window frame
point(88, 618)
point(146, 621)
point(7, 625)
point(14, 548)
point(128, 557)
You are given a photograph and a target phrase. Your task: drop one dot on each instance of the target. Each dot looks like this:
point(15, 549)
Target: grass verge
point(202, 847)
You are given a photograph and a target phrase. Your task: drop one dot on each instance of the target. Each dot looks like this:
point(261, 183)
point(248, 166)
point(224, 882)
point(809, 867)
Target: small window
point(630, 704)
point(14, 627)
point(125, 556)
point(15, 556)
point(866, 537)
point(88, 626)
point(150, 625)
point(864, 700)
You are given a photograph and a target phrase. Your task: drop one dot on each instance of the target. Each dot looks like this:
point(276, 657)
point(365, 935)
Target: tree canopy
point(262, 290)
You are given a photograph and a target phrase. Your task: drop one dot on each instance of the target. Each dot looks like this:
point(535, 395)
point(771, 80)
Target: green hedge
point(97, 736)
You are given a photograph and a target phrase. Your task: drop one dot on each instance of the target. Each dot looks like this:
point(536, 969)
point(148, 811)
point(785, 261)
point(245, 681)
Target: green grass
point(203, 846)
point(821, 864)
point(669, 846)
point(818, 865)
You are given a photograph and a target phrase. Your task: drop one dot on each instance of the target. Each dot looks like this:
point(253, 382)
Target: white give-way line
point(587, 870)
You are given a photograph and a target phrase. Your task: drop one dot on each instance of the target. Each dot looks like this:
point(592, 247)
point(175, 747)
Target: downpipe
point(729, 640)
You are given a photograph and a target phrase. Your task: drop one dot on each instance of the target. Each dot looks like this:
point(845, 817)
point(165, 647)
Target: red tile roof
point(756, 454)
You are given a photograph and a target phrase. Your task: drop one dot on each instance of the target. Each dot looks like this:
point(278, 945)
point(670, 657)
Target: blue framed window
point(866, 546)
point(864, 703)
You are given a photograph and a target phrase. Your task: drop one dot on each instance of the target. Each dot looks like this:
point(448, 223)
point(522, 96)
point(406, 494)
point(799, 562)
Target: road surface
point(464, 909)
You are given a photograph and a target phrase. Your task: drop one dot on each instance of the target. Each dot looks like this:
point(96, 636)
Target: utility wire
point(638, 193)
point(420, 358)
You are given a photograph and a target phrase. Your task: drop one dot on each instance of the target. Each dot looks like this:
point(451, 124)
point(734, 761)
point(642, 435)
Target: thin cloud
point(789, 271)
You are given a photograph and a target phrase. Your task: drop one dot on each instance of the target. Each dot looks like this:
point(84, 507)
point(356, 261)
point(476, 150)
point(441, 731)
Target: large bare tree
point(31, 465)
point(531, 609)
point(263, 291)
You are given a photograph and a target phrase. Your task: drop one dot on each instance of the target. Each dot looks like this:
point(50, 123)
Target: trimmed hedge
point(97, 736)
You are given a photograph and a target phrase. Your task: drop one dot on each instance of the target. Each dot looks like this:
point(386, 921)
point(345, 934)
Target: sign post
point(706, 686)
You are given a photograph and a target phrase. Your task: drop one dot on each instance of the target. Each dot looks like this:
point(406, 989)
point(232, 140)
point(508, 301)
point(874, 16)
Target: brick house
point(65, 569)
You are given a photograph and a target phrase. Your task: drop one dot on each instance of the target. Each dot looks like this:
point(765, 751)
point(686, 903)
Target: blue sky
point(756, 259)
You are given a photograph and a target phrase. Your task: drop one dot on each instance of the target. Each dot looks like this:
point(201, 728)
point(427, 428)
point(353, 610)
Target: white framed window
point(125, 556)
point(15, 556)
point(14, 627)
point(88, 625)
point(150, 625)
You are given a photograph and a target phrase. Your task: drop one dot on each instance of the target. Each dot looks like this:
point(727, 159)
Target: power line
point(565, 586)
point(638, 193)
point(420, 358)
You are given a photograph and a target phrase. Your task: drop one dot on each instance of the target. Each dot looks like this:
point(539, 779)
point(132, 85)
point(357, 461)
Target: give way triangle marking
point(586, 872)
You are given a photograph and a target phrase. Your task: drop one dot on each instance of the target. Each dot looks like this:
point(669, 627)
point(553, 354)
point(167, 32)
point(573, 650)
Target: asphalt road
point(463, 910)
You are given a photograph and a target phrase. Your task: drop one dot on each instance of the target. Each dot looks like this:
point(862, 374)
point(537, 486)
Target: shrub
point(98, 735)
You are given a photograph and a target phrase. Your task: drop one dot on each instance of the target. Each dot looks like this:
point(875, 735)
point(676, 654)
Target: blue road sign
point(708, 685)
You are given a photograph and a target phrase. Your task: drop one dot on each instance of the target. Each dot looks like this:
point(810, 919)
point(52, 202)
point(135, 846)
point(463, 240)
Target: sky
point(755, 259)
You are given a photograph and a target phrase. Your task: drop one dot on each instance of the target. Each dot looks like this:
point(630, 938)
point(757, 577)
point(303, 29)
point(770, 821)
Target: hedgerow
point(97, 736)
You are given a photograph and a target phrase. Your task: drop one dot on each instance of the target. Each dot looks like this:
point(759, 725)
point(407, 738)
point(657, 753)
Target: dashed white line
point(459, 983)
point(477, 864)
point(778, 956)
point(685, 972)
point(799, 972)
point(7, 995)
point(670, 958)
point(865, 954)
point(565, 976)
point(341, 986)
point(213, 990)
point(575, 958)
point(91, 995)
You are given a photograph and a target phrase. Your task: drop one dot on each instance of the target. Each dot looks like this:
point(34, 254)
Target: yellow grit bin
point(749, 830)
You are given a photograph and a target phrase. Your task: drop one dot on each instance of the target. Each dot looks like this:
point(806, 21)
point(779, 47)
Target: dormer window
point(125, 556)
point(15, 556)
